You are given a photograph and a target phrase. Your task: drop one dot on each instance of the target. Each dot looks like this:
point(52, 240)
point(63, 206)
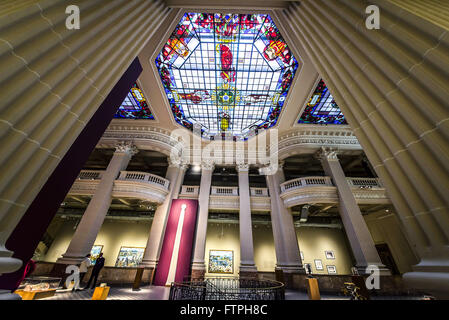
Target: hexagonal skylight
point(229, 73)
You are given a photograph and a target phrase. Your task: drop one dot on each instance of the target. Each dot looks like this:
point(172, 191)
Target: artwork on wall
point(129, 257)
point(331, 269)
point(318, 264)
point(95, 252)
point(221, 261)
point(302, 255)
point(329, 254)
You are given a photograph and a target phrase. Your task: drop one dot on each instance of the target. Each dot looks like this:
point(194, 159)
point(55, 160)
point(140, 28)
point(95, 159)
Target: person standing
point(99, 264)
point(85, 264)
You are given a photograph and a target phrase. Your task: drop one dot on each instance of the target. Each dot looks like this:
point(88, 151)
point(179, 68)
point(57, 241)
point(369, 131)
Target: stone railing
point(224, 191)
point(139, 185)
point(321, 190)
point(144, 177)
point(305, 182)
point(90, 174)
point(259, 192)
point(364, 183)
point(190, 191)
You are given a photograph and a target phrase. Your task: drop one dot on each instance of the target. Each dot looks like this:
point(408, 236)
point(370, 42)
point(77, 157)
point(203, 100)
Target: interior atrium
point(291, 145)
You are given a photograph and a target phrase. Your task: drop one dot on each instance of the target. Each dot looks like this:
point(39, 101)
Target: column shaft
point(93, 217)
point(246, 229)
point(175, 174)
point(359, 237)
point(198, 265)
point(288, 258)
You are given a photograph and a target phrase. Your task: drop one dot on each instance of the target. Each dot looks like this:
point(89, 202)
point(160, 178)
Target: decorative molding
point(126, 147)
point(242, 167)
point(207, 164)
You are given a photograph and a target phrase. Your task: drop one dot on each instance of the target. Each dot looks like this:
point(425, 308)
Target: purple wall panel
point(186, 243)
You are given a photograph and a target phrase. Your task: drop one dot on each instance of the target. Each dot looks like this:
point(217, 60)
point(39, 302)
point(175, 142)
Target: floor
point(161, 293)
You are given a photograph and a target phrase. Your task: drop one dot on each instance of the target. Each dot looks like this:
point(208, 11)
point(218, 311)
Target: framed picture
point(329, 255)
point(331, 269)
point(302, 255)
point(129, 257)
point(318, 264)
point(221, 261)
point(95, 252)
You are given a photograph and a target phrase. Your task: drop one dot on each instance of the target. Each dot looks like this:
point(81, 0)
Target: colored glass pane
point(134, 106)
point(322, 108)
point(226, 72)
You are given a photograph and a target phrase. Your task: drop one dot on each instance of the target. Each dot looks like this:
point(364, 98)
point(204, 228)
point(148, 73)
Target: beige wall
point(113, 235)
point(223, 236)
point(385, 228)
point(220, 236)
point(313, 242)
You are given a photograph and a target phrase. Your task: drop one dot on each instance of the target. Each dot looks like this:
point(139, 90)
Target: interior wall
point(313, 242)
point(113, 235)
point(223, 236)
point(385, 228)
point(220, 236)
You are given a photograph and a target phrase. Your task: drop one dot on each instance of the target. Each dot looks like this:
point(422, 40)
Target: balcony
point(321, 190)
point(227, 198)
point(129, 184)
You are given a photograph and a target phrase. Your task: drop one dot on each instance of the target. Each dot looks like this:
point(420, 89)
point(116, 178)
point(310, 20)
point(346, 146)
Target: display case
point(38, 287)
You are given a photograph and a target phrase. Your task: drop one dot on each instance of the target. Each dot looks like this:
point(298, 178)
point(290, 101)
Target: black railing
point(227, 289)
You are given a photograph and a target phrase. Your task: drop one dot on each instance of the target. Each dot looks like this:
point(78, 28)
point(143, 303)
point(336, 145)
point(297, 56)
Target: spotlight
point(196, 168)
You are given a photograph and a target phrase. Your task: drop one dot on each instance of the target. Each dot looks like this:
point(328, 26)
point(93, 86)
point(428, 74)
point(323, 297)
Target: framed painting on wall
point(318, 264)
point(129, 257)
point(329, 254)
point(331, 269)
point(95, 252)
point(221, 261)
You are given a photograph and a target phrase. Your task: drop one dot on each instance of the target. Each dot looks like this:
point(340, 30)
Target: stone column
point(98, 207)
point(359, 237)
point(198, 265)
point(288, 258)
point(175, 174)
point(247, 265)
point(398, 117)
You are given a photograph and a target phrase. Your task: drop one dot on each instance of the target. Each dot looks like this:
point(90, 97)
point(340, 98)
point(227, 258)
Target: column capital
point(242, 167)
point(182, 165)
point(207, 165)
point(327, 154)
point(126, 147)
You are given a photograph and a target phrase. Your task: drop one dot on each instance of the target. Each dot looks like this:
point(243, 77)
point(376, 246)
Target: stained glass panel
point(322, 108)
point(226, 72)
point(134, 106)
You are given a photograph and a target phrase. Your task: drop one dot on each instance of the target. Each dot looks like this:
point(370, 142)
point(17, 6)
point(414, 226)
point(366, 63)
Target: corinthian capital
point(207, 164)
point(242, 166)
point(126, 147)
point(327, 153)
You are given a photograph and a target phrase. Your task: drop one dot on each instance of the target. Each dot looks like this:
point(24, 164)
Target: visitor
point(99, 264)
point(85, 264)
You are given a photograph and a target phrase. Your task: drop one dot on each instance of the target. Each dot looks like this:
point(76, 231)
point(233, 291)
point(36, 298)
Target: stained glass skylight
point(226, 72)
point(322, 108)
point(134, 106)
